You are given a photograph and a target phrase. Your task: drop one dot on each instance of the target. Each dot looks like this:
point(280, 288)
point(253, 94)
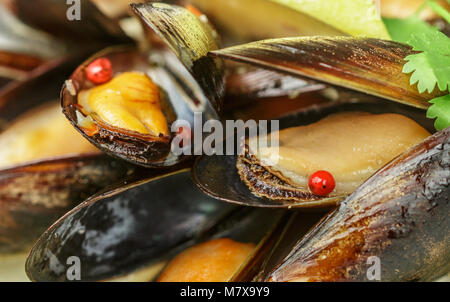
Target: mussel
point(369, 65)
point(139, 215)
point(398, 219)
point(178, 78)
point(273, 189)
point(133, 232)
point(372, 66)
point(45, 169)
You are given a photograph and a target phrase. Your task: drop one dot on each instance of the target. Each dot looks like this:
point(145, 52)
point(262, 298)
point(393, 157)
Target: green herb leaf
point(441, 111)
point(432, 65)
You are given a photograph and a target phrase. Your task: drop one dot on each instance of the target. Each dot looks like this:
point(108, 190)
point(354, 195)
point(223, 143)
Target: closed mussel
point(133, 232)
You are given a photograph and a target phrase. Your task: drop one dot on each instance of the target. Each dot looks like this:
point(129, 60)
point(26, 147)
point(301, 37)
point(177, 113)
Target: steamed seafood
point(398, 218)
point(374, 162)
point(350, 146)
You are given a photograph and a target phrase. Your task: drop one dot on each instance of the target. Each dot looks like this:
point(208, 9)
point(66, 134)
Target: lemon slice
point(355, 17)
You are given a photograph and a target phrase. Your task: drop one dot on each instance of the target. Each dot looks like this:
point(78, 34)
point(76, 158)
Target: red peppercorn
point(99, 71)
point(321, 183)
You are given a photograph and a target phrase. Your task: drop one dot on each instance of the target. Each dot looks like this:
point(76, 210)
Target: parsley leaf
point(440, 110)
point(432, 65)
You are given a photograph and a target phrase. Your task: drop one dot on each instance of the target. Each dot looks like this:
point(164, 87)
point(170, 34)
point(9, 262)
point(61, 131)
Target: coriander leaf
point(440, 110)
point(432, 65)
point(434, 41)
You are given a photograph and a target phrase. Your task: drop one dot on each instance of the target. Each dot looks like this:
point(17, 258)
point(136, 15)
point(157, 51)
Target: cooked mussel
point(258, 182)
point(132, 232)
point(212, 261)
point(46, 167)
point(130, 115)
point(399, 217)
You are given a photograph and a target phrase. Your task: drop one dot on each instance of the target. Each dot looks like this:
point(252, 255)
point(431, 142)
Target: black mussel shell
point(135, 227)
point(372, 66)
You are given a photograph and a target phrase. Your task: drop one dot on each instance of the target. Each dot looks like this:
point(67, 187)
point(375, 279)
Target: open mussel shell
point(38, 185)
point(80, 21)
point(237, 25)
point(218, 177)
point(368, 65)
point(34, 195)
point(190, 38)
point(398, 216)
point(145, 150)
point(191, 81)
point(131, 233)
